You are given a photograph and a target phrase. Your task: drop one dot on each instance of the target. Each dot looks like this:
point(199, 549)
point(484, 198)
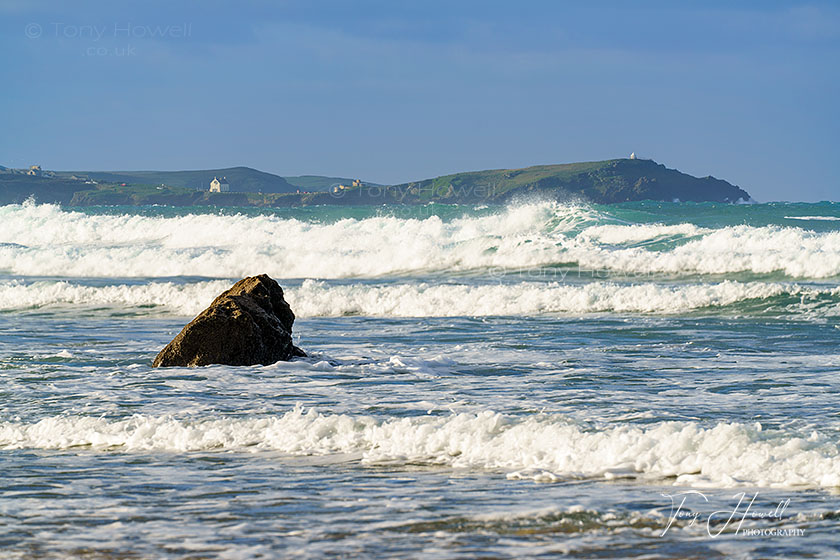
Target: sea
point(641, 380)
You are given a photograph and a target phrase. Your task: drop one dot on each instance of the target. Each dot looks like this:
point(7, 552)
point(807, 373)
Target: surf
point(545, 448)
point(46, 240)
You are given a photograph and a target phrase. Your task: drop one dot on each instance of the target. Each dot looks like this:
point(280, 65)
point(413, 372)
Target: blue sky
point(393, 91)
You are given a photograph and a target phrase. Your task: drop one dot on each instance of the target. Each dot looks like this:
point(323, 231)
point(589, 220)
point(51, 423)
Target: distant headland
point(603, 182)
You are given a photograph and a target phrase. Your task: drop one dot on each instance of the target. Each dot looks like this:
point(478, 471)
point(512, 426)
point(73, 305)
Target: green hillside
point(605, 182)
point(319, 182)
point(15, 188)
point(241, 179)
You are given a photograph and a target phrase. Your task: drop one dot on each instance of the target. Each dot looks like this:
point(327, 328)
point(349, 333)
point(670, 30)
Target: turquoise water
point(524, 381)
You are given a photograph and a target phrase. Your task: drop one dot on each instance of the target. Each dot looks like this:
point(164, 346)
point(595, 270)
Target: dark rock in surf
point(248, 324)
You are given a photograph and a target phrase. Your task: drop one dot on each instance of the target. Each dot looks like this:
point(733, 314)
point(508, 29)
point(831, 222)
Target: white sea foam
point(323, 299)
point(814, 218)
point(794, 252)
point(539, 446)
point(529, 298)
point(624, 234)
point(43, 240)
point(181, 299)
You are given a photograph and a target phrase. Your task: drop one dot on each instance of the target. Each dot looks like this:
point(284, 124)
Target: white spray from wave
point(48, 241)
point(539, 447)
point(43, 240)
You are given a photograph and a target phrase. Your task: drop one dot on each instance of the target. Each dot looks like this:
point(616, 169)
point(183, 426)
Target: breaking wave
point(323, 299)
point(539, 447)
point(44, 240)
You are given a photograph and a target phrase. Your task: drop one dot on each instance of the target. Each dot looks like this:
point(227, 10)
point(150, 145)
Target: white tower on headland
point(633, 155)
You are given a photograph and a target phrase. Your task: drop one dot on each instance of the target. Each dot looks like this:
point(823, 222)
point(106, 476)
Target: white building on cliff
point(217, 185)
